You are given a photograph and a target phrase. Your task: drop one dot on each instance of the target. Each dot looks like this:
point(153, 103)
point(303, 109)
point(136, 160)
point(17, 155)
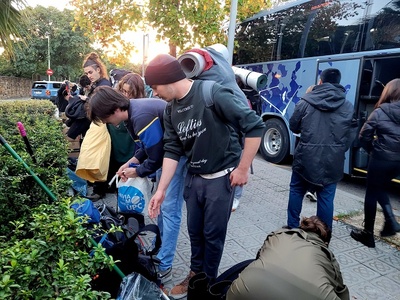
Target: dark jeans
point(209, 204)
point(325, 197)
point(380, 173)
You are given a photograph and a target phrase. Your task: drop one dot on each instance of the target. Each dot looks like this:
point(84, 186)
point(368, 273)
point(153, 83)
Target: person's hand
point(155, 204)
point(239, 177)
point(128, 173)
point(82, 97)
point(121, 172)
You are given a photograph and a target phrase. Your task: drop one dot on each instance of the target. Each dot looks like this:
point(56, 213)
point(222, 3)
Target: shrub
point(19, 190)
point(47, 258)
point(43, 246)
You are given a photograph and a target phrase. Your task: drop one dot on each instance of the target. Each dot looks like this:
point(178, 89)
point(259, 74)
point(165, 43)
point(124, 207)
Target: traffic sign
point(49, 72)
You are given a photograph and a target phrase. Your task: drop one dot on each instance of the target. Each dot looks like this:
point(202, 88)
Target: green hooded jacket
point(292, 264)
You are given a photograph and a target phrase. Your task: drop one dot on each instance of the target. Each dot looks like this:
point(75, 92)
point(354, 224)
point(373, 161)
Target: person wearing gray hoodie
point(324, 118)
point(380, 137)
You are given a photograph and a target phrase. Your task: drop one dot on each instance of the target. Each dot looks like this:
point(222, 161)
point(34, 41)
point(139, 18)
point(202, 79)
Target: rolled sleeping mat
point(255, 80)
point(192, 64)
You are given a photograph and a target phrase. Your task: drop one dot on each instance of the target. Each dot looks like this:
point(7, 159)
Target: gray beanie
point(163, 69)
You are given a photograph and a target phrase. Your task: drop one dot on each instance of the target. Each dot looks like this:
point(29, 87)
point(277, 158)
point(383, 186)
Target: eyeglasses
point(125, 92)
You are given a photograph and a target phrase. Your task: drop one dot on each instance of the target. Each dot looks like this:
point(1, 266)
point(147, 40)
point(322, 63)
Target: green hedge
point(43, 246)
point(19, 191)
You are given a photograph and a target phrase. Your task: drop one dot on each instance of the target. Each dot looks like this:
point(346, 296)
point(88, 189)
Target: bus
point(294, 43)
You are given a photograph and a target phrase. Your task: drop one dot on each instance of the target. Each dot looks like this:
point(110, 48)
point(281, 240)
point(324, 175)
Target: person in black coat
point(77, 121)
point(61, 101)
point(380, 137)
point(324, 118)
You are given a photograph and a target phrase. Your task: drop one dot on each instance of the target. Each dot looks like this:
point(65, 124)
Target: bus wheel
point(275, 141)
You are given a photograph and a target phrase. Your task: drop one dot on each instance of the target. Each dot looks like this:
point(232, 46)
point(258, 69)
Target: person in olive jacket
point(324, 120)
point(380, 137)
point(293, 264)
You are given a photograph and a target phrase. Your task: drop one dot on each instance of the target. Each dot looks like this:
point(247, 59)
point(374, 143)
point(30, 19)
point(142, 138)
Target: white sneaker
point(235, 204)
point(311, 196)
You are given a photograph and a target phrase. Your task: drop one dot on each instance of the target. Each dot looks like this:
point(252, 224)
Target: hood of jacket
point(326, 96)
point(392, 110)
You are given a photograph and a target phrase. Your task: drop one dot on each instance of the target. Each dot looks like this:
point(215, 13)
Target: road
point(356, 186)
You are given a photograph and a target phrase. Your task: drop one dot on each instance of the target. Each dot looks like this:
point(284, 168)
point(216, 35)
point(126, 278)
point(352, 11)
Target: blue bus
point(293, 44)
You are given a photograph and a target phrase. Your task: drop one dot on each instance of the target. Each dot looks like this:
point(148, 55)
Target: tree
point(182, 24)
point(67, 46)
point(9, 20)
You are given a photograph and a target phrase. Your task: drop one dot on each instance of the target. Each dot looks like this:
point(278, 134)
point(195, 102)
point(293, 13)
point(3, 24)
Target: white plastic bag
point(136, 287)
point(133, 195)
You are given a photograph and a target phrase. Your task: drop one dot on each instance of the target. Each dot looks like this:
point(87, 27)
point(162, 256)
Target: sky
point(154, 47)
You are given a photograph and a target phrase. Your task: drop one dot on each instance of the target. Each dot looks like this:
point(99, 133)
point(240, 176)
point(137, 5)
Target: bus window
point(292, 44)
point(317, 28)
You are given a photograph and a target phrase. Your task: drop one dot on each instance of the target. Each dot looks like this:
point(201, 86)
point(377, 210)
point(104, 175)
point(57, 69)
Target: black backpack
point(128, 247)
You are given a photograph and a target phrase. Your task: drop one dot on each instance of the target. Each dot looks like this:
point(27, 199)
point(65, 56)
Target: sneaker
point(235, 204)
point(165, 276)
point(311, 196)
point(363, 237)
point(180, 290)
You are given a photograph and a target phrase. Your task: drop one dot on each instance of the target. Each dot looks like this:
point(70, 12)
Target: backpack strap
point(207, 86)
point(152, 228)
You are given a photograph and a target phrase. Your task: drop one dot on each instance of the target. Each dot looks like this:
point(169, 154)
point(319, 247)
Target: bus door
point(376, 72)
point(350, 69)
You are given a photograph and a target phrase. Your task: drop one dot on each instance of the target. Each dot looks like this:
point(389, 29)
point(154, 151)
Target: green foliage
point(10, 17)
point(19, 191)
point(47, 258)
point(182, 24)
point(67, 46)
point(43, 245)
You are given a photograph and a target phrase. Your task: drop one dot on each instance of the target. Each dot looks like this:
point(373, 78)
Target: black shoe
point(286, 227)
point(390, 228)
point(363, 237)
point(94, 197)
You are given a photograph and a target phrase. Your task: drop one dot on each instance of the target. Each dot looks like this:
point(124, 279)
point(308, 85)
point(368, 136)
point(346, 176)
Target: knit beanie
point(163, 69)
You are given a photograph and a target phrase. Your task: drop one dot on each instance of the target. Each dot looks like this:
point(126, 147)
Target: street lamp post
point(145, 48)
point(48, 53)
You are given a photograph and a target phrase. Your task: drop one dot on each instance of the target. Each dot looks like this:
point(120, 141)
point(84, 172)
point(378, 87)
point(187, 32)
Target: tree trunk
point(172, 49)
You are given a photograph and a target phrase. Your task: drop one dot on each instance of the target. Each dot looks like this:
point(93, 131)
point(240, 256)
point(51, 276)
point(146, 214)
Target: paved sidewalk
point(370, 274)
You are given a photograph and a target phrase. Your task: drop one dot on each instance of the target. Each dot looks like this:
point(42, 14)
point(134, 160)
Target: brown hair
point(316, 225)
point(104, 102)
point(136, 84)
point(391, 93)
point(93, 60)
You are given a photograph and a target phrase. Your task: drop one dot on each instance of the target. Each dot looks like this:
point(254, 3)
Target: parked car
point(45, 90)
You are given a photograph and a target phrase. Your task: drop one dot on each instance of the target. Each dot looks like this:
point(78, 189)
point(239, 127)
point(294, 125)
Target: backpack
point(201, 287)
point(134, 248)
